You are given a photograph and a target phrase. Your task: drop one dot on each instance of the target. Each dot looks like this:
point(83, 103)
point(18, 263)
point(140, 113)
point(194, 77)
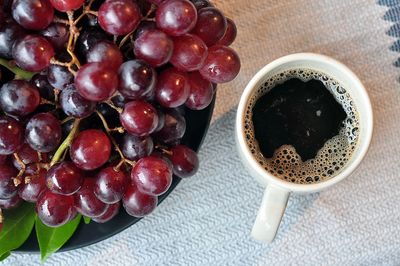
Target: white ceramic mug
point(277, 190)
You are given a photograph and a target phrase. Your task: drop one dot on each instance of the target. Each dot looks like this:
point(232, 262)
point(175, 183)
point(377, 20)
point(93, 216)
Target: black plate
point(87, 234)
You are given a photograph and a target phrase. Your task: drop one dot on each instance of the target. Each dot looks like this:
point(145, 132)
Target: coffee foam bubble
point(330, 159)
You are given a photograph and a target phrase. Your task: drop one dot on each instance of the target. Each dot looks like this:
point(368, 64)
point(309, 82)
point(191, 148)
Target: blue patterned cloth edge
point(393, 15)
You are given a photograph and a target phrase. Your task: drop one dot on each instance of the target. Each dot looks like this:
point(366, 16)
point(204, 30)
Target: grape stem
point(110, 103)
point(10, 65)
point(66, 143)
point(108, 130)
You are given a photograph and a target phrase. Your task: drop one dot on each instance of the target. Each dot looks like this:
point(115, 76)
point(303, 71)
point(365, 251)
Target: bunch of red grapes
point(62, 145)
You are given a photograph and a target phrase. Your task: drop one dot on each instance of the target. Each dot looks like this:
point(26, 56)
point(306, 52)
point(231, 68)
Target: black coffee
point(303, 114)
point(302, 126)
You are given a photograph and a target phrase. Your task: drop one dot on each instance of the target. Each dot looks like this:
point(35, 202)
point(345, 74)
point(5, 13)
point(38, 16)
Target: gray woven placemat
point(207, 219)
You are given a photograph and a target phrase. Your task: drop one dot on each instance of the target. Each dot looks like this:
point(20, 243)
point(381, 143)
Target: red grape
point(176, 17)
point(19, 97)
point(57, 34)
point(11, 135)
point(144, 26)
point(32, 186)
point(64, 178)
point(199, 4)
point(201, 92)
point(96, 81)
point(174, 128)
point(138, 204)
point(111, 212)
point(222, 64)
point(27, 155)
point(137, 79)
point(73, 104)
point(9, 34)
point(86, 201)
point(172, 89)
point(119, 17)
point(139, 118)
point(134, 147)
point(152, 175)
point(110, 185)
point(7, 186)
point(107, 53)
point(54, 209)
point(59, 76)
point(33, 53)
point(43, 132)
point(184, 160)
point(33, 14)
point(10, 203)
point(3, 159)
point(211, 25)
point(90, 149)
point(67, 5)
point(189, 53)
point(230, 34)
point(154, 47)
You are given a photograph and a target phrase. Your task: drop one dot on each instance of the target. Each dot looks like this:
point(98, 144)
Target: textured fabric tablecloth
point(208, 218)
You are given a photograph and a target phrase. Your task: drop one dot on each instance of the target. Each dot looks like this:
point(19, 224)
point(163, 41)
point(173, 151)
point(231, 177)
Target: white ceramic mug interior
point(278, 190)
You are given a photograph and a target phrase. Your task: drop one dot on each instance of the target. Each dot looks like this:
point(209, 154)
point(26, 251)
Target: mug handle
point(270, 214)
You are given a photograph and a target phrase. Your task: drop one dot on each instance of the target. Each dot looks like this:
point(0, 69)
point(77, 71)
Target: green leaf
point(17, 226)
point(52, 239)
point(86, 220)
point(5, 256)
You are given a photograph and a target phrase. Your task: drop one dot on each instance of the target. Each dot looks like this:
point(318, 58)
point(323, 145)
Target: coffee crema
point(285, 162)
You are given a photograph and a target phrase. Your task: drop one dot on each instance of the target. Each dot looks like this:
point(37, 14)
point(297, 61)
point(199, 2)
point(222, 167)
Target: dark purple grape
point(86, 201)
point(110, 185)
point(87, 39)
point(136, 79)
point(57, 34)
point(119, 17)
point(184, 160)
point(222, 64)
point(144, 26)
point(107, 53)
point(112, 211)
point(19, 97)
point(211, 25)
point(9, 34)
point(33, 14)
point(172, 88)
point(59, 76)
point(7, 187)
point(73, 104)
point(54, 209)
point(64, 178)
point(11, 135)
point(139, 118)
point(174, 128)
point(176, 17)
point(138, 204)
point(33, 53)
point(11, 203)
point(46, 91)
point(134, 147)
point(154, 47)
point(199, 4)
point(152, 175)
point(43, 132)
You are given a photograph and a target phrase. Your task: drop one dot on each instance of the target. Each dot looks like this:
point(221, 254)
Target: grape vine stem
point(66, 143)
point(16, 70)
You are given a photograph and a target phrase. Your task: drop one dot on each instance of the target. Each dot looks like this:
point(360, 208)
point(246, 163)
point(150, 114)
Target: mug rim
point(252, 85)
